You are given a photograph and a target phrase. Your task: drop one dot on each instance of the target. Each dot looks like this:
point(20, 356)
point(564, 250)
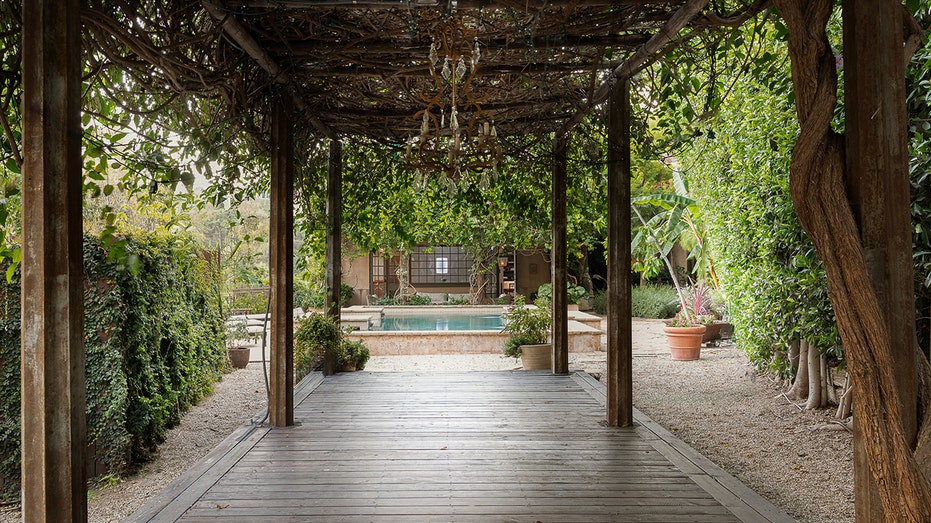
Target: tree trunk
point(794, 354)
point(821, 203)
point(923, 452)
point(828, 393)
point(815, 378)
point(843, 406)
point(404, 284)
point(585, 278)
point(799, 388)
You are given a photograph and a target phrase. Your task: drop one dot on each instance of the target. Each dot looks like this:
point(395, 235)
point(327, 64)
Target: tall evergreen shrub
point(153, 342)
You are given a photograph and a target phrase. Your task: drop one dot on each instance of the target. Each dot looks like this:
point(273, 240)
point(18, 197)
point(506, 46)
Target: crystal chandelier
point(458, 140)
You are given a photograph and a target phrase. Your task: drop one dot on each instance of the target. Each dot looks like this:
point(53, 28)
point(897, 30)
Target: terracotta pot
point(348, 367)
point(537, 357)
point(684, 342)
point(239, 356)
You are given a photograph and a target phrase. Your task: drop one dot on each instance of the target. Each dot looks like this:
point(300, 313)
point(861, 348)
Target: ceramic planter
point(684, 342)
point(239, 356)
point(537, 357)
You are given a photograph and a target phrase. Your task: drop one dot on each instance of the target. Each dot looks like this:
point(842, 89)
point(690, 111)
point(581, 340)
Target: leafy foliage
point(316, 335)
point(319, 334)
point(575, 294)
point(771, 278)
point(653, 301)
point(353, 353)
point(9, 389)
point(918, 92)
point(526, 325)
point(315, 297)
point(153, 344)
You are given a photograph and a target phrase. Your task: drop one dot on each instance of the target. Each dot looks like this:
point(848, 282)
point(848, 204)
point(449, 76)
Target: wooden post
point(877, 181)
point(281, 268)
point(620, 340)
point(560, 272)
point(334, 212)
point(52, 374)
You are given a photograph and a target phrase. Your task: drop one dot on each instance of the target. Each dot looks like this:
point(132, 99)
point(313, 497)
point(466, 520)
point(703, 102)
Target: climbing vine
point(153, 342)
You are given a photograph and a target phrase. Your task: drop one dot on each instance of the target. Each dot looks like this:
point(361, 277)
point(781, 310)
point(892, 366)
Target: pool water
point(460, 322)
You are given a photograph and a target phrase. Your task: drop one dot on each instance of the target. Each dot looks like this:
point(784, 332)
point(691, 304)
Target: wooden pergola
point(339, 68)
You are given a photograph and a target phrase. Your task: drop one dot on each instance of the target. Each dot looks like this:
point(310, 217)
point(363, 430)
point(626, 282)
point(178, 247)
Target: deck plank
point(467, 446)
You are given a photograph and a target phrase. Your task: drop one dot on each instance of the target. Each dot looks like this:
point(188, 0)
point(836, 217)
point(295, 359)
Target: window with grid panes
point(441, 265)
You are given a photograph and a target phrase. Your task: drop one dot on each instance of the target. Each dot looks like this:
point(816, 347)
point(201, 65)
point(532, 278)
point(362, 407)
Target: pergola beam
point(334, 239)
point(620, 335)
point(878, 185)
point(53, 428)
point(522, 5)
point(560, 266)
point(281, 270)
point(241, 36)
point(393, 46)
point(642, 57)
point(421, 71)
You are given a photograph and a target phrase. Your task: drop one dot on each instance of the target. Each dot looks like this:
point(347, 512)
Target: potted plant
point(353, 355)
point(318, 334)
point(684, 335)
point(699, 301)
point(236, 350)
point(528, 328)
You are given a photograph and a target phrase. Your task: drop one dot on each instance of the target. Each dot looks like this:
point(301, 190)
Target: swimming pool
point(443, 322)
point(425, 338)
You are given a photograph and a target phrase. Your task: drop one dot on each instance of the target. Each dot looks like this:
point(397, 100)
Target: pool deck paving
point(455, 446)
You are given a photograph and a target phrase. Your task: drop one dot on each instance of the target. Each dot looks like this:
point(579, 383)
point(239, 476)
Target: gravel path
point(800, 460)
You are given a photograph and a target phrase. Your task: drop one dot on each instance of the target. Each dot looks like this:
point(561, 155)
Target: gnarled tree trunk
point(821, 203)
point(799, 389)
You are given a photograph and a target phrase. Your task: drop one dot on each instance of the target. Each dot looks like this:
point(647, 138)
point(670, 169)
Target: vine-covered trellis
point(336, 68)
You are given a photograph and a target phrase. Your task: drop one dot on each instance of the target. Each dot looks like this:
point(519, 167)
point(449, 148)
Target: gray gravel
point(800, 460)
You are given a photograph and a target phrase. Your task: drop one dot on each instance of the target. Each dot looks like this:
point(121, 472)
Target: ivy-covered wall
point(153, 339)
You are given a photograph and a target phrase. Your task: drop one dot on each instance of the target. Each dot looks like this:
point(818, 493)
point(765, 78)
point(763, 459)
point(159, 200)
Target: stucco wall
point(531, 272)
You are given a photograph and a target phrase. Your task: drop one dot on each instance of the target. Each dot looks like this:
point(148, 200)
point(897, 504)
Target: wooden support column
point(52, 373)
point(620, 340)
point(560, 269)
point(334, 213)
point(281, 267)
point(877, 180)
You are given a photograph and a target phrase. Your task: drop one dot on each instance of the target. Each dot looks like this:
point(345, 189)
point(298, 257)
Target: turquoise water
point(455, 322)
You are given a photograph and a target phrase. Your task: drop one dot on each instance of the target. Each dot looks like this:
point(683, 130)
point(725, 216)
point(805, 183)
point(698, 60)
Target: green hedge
point(315, 296)
point(653, 301)
point(153, 340)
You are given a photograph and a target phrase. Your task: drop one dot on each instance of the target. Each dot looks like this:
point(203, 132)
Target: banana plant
point(677, 222)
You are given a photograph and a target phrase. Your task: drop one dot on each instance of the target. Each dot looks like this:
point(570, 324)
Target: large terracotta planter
point(537, 357)
point(684, 342)
point(239, 356)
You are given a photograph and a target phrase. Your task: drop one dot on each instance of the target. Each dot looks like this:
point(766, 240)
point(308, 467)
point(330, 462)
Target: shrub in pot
point(528, 329)
point(353, 354)
point(318, 334)
point(684, 335)
point(236, 350)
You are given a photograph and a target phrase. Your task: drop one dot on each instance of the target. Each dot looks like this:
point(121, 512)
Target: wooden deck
point(470, 446)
